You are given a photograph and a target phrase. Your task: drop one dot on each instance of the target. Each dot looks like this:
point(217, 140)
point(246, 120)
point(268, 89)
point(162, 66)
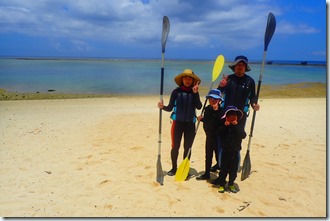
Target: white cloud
point(285, 27)
point(193, 22)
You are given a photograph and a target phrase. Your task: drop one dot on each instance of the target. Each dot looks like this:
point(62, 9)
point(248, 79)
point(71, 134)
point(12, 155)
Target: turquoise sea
point(124, 76)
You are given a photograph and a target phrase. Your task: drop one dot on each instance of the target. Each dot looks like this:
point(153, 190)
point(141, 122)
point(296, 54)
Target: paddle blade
point(246, 168)
point(183, 170)
point(160, 173)
point(270, 29)
point(217, 67)
point(166, 30)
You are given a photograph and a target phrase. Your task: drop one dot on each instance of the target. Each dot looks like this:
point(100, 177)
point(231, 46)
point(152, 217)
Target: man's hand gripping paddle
point(270, 29)
point(183, 170)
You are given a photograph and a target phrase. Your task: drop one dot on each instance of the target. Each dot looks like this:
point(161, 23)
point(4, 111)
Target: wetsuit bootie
point(203, 177)
point(171, 172)
point(214, 168)
point(215, 181)
point(221, 189)
point(233, 189)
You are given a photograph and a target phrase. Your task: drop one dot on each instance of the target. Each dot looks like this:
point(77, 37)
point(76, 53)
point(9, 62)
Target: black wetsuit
point(231, 144)
point(211, 121)
point(239, 92)
point(184, 102)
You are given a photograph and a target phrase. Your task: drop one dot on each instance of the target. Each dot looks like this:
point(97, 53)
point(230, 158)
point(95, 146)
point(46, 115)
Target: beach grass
point(300, 90)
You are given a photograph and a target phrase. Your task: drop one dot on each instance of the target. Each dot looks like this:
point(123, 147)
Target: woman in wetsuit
point(184, 101)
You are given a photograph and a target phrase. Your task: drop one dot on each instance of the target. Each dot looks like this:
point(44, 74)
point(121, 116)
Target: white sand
point(97, 158)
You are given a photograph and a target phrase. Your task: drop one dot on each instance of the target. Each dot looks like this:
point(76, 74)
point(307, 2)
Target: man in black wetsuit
point(239, 88)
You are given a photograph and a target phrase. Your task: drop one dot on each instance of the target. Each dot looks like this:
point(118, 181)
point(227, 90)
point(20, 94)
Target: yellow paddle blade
point(183, 170)
point(217, 68)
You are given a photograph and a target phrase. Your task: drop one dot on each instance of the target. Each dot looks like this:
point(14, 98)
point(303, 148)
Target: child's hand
point(195, 88)
point(227, 123)
point(231, 119)
point(199, 118)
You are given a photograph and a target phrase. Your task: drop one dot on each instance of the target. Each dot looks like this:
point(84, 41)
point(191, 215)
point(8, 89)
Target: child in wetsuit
point(184, 101)
point(211, 121)
point(231, 133)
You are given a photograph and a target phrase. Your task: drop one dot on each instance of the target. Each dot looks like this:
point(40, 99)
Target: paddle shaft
point(258, 91)
point(165, 31)
point(161, 98)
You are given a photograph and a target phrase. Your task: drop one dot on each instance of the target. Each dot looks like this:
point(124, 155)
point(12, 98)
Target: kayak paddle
point(166, 30)
point(183, 170)
point(217, 68)
point(270, 29)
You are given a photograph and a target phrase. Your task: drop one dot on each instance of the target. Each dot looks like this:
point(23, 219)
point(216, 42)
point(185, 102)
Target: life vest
point(184, 109)
point(238, 95)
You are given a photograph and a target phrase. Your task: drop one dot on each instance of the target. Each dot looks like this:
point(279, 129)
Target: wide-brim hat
point(215, 93)
point(186, 73)
point(239, 59)
point(234, 109)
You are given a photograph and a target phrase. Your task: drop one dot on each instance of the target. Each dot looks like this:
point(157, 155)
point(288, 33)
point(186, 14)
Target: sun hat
point(215, 93)
point(235, 109)
point(186, 73)
point(239, 59)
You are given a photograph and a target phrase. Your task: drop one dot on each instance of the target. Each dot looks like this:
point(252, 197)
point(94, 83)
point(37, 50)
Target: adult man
point(239, 88)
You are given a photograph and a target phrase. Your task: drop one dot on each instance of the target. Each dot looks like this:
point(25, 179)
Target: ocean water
point(118, 76)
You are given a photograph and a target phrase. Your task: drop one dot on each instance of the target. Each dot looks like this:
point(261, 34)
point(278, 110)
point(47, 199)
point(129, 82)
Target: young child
point(231, 132)
point(211, 121)
point(184, 101)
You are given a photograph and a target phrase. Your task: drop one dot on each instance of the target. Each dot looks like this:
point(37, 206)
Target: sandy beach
point(96, 157)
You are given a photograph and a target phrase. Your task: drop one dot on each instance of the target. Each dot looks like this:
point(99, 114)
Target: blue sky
point(132, 28)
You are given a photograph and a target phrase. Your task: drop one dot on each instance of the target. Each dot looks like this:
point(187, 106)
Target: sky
point(133, 28)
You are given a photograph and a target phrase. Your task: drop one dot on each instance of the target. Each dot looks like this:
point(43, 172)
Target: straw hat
point(186, 73)
point(239, 59)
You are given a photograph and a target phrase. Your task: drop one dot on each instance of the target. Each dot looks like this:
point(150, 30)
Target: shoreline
point(268, 62)
point(299, 90)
